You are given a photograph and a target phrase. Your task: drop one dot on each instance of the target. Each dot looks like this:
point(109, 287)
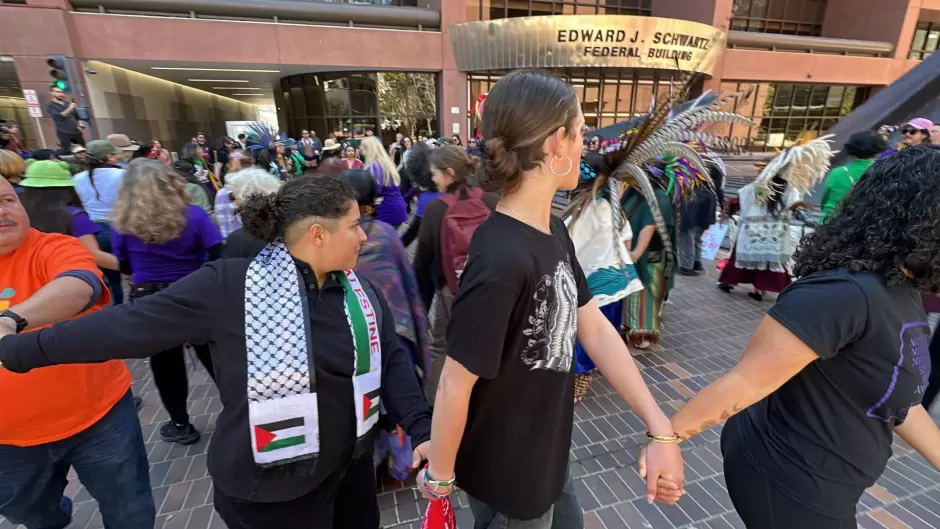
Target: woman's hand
point(421, 453)
point(435, 492)
point(661, 465)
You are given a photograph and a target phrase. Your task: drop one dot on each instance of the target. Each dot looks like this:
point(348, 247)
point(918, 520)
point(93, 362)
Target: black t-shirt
point(64, 124)
point(240, 243)
point(514, 325)
point(825, 435)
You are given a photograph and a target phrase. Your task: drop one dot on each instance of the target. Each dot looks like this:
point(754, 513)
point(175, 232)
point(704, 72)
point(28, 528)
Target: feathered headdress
point(261, 135)
point(802, 166)
point(663, 137)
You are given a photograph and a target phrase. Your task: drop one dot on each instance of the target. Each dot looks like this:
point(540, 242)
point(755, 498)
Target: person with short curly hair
point(840, 363)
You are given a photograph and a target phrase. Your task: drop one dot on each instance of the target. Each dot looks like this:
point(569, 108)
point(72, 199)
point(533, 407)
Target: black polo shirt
point(63, 124)
point(208, 307)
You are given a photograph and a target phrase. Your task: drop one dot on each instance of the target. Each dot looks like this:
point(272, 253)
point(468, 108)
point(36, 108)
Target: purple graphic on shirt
point(920, 357)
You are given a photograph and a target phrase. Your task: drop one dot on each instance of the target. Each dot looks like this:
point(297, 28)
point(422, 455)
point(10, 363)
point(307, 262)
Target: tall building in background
point(166, 69)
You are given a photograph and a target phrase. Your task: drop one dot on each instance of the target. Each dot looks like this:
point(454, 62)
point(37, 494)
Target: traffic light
point(59, 71)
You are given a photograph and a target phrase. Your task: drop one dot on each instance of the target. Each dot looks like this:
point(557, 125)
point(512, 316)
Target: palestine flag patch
point(370, 404)
point(280, 434)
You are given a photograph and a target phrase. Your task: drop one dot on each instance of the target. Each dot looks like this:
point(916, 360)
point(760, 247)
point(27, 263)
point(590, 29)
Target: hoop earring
point(551, 165)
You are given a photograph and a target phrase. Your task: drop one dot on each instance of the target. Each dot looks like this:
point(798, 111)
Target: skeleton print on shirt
point(552, 329)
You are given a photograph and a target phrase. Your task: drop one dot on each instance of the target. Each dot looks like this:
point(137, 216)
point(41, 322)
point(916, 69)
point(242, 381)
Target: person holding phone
point(63, 112)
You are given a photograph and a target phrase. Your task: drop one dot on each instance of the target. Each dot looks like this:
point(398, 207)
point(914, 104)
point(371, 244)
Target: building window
point(789, 17)
point(782, 113)
point(926, 39)
point(496, 9)
point(334, 103)
point(608, 96)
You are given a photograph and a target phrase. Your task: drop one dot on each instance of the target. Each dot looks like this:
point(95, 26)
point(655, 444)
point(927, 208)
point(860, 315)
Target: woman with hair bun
point(505, 402)
point(306, 353)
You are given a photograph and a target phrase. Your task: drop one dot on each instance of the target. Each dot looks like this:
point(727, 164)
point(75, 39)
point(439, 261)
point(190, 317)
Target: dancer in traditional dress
point(601, 238)
point(659, 170)
point(763, 247)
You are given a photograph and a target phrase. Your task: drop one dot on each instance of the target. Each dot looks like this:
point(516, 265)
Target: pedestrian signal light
point(58, 70)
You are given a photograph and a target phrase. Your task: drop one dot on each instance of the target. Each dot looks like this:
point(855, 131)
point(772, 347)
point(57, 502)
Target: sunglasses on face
point(907, 131)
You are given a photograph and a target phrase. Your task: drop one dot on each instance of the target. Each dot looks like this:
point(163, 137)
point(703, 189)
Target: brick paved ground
point(705, 332)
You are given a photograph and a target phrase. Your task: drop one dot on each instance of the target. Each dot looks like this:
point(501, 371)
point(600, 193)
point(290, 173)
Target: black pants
point(169, 367)
point(66, 140)
point(347, 502)
point(933, 385)
point(760, 504)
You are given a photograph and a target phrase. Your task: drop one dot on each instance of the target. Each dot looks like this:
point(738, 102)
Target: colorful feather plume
point(802, 166)
point(667, 138)
point(262, 135)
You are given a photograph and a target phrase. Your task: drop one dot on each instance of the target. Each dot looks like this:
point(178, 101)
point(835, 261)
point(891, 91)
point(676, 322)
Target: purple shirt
point(392, 210)
point(82, 224)
point(172, 260)
point(425, 198)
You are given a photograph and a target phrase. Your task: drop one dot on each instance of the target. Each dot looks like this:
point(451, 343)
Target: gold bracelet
point(664, 439)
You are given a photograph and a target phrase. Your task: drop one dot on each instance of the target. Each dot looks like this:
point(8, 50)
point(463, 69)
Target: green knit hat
point(47, 173)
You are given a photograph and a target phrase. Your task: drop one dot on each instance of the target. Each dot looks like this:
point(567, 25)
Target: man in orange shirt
point(80, 416)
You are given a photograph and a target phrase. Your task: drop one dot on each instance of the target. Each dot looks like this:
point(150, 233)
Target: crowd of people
point(282, 265)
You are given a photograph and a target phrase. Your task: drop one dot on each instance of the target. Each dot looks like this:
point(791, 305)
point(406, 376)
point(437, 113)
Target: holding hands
point(660, 463)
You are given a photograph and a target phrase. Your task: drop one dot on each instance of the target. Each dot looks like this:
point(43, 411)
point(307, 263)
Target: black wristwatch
point(20, 322)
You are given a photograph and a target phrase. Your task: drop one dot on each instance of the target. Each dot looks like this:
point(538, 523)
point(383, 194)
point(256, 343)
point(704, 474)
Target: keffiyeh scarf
point(282, 394)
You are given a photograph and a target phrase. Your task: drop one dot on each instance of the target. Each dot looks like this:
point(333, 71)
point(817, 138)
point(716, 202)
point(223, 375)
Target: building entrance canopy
point(573, 41)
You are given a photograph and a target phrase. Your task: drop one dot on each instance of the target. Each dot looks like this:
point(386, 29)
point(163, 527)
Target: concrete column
point(453, 84)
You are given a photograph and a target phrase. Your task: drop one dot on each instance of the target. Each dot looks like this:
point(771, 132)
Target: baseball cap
point(100, 149)
point(920, 123)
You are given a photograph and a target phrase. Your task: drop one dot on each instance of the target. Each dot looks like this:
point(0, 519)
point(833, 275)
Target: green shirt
point(839, 182)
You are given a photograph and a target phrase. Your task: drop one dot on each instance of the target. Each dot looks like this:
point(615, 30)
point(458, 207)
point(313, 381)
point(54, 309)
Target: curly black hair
point(418, 166)
point(268, 217)
point(865, 144)
point(889, 223)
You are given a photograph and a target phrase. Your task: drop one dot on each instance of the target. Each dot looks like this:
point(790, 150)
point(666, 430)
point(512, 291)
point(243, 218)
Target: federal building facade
point(157, 68)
